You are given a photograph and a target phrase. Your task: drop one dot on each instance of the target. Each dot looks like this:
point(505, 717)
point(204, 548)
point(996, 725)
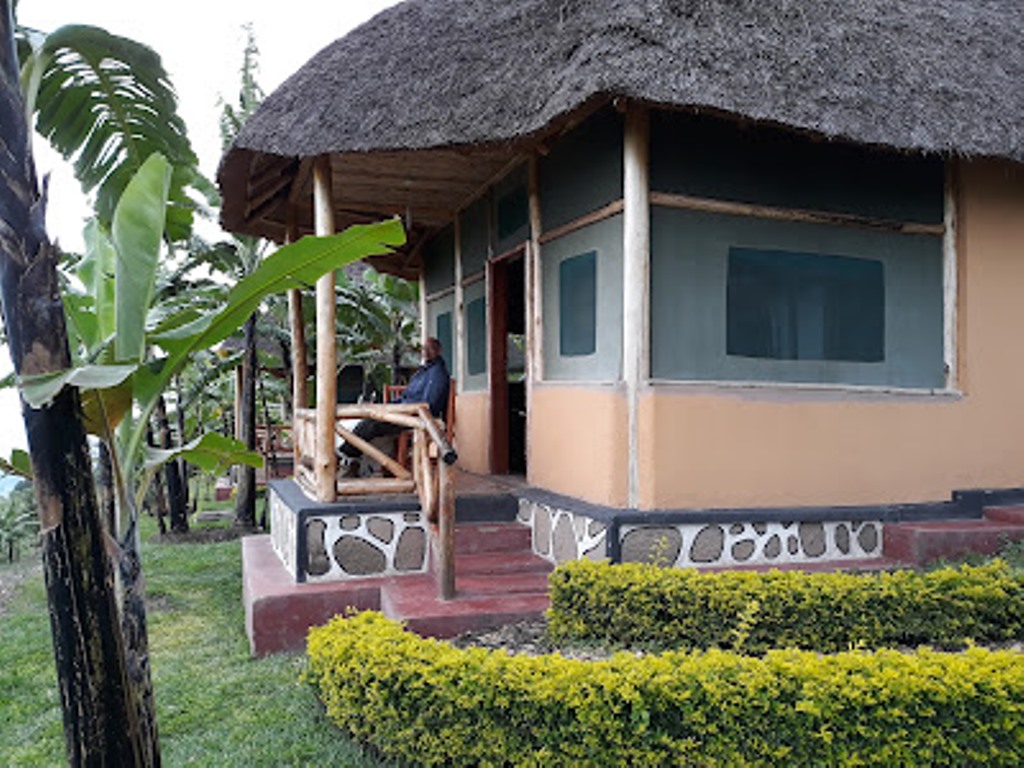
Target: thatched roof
point(432, 97)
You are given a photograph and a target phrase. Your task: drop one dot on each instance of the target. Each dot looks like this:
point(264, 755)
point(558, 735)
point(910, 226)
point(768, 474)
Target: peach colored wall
point(472, 430)
point(722, 447)
point(577, 442)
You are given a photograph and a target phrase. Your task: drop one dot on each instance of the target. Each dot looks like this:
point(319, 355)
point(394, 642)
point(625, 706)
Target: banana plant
point(131, 352)
point(107, 103)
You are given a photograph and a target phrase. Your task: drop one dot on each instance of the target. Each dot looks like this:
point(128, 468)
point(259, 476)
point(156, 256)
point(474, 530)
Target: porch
point(380, 552)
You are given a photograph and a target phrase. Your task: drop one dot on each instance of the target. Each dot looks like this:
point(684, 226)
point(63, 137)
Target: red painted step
point(498, 563)
point(471, 538)
point(481, 605)
point(1013, 515)
point(926, 542)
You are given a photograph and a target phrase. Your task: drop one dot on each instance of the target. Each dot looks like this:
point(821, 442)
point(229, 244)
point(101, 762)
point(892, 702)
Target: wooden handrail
point(432, 481)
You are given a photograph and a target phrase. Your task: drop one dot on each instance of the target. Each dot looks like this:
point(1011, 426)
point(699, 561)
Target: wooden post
point(446, 532)
point(636, 226)
point(532, 278)
point(300, 395)
point(950, 279)
point(325, 461)
point(459, 340)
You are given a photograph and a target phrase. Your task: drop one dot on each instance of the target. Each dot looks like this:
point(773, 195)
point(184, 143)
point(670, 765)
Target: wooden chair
point(392, 392)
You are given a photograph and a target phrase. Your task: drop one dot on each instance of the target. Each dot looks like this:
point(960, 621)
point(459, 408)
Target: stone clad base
point(561, 534)
point(565, 529)
point(378, 536)
point(761, 543)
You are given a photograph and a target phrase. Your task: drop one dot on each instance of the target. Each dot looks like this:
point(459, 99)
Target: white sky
point(200, 43)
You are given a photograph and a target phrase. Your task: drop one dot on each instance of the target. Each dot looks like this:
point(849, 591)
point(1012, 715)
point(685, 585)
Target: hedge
point(646, 606)
point(425, 702)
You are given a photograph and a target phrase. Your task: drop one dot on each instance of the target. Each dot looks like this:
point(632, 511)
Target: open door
point(507, 370)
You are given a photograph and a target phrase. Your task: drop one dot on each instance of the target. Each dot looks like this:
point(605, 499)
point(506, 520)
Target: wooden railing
point(430, 475)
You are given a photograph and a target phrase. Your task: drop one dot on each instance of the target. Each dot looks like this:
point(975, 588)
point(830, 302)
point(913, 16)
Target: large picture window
point(785, 305)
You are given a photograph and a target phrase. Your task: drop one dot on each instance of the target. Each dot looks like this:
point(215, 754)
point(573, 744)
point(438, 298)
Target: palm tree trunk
point(106, 721)
point(245, 500)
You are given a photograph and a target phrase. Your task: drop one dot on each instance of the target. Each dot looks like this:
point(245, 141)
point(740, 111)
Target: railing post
point(446, 532)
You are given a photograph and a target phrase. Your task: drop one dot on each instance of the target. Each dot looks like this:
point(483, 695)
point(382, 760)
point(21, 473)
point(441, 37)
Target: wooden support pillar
point(446, 531)
point(459, 340)
point(326, 463)
point(636, 277)
point(532, 276)
point(300, 395)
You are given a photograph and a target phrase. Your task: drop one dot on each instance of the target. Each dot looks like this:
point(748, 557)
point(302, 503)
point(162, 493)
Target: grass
point(215, 704)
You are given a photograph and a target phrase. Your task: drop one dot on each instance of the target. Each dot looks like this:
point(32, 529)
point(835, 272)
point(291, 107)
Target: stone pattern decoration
point(560, 535)
point(284, 533)
point(349, 545)
point(763, 543)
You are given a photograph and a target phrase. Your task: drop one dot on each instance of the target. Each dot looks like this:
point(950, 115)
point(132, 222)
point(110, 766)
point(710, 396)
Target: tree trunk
point(108, 507)
point(106, 720)
point(182, 464)
point(245, 500)
point(172, 474)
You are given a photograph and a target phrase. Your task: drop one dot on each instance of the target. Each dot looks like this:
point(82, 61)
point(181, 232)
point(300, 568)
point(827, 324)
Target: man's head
point(431, 349)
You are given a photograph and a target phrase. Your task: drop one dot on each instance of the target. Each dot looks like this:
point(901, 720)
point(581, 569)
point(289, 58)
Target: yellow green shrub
point(424, 702)
point(644, 605)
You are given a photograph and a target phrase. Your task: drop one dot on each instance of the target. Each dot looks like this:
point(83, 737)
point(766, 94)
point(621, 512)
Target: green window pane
point(476, 337)
point(784, 305)
point(577, 302)
point(443, 333)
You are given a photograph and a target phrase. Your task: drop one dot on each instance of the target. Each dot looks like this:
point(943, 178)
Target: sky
point(201, 44)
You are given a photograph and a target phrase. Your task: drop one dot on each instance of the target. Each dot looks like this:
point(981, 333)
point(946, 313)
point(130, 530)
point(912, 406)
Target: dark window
point(513, 212)
point(476, 337)
point(577, 302)
point(443, 333)
point(805, 306)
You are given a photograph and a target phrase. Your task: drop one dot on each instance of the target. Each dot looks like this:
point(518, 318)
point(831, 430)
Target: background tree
point(248, 252)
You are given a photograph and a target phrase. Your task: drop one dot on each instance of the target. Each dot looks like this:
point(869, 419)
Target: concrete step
point(472, 538)
point(481, 603)
point(925, 542)
point(279, 612)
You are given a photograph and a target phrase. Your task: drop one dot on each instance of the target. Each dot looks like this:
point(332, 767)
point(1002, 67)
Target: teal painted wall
point(583, 170)
point(688, 300)
point(436, 308)
point(511, 215)
point(605, 238)
point(475, 231)
point(439, 261)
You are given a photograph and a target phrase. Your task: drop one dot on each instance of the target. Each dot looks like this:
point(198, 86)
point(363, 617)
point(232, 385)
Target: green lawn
point(216, 706)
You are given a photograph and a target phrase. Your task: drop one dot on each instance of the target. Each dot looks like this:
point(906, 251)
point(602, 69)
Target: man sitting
point(428, 385)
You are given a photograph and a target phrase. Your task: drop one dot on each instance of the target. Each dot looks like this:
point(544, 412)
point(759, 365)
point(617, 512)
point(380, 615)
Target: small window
point(783, 305)
point(577, 302)
point(476, 337)
point(443, 333)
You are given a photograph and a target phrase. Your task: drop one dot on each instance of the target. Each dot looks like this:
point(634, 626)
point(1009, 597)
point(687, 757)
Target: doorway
point(507, 298)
